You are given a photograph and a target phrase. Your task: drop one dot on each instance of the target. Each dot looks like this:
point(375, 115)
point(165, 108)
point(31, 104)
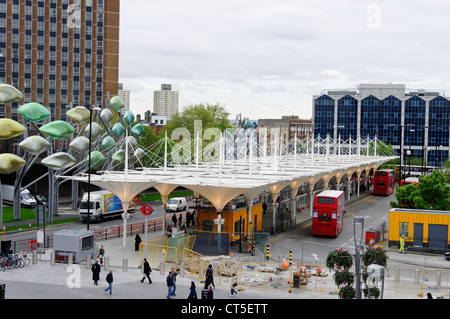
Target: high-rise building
point(59, 52)
point(391, 112)
point(125, 96)
point(165, 101)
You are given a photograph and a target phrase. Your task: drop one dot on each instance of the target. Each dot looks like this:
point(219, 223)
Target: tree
point(432, 193)
point(341, 261)
point(212, 116)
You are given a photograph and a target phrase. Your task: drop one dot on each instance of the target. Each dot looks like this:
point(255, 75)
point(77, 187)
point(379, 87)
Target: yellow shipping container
point(422, 229)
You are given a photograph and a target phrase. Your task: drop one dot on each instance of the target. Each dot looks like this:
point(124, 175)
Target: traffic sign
point(146, 210)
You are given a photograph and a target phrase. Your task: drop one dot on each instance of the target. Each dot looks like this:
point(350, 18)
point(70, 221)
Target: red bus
point(328, 213)
point(384, 182)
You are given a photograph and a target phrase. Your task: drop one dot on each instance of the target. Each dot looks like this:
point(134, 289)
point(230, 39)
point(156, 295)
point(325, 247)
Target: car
point(176, 204)
point(447, 255)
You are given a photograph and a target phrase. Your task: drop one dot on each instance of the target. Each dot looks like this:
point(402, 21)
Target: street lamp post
point(359, 250)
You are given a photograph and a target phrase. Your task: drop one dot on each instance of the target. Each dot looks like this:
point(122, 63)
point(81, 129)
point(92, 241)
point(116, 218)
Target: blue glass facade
point(423, 117)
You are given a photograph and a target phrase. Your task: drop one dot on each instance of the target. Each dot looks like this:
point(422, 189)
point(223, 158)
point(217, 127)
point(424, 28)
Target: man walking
point(169, 281)
point(109, 280)
point(147, 271)
point(402, 245)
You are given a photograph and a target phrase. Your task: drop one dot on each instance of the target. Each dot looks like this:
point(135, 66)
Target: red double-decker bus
point(384, 182)
point(328, 213)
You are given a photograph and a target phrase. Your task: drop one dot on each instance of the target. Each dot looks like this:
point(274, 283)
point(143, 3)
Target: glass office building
point(59, 52)
point(385, 110)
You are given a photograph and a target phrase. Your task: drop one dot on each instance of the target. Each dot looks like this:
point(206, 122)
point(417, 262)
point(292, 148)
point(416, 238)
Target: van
point(26, 199)
point(176, 204)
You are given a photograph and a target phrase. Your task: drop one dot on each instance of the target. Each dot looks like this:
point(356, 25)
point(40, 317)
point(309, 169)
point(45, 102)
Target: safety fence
point(254, 274)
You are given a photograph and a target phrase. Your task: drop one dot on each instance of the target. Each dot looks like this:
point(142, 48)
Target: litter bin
point(372, 237)
point(2, 291)
point(296, 281)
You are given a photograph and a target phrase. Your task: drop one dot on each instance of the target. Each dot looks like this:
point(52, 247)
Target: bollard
point(70, 259)
point(417, 276)
point(161, 268)
point(125, 265)
point(106, 262)
point(290, 258)
point(88, 262)
point(182, 272)
point(438, 278)
point(34, 257)
point(52, 259)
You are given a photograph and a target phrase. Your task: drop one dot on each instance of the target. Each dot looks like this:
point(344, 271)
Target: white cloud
point(263, 58)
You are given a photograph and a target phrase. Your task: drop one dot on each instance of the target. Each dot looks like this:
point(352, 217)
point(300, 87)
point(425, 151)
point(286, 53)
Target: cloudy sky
point(265, 58)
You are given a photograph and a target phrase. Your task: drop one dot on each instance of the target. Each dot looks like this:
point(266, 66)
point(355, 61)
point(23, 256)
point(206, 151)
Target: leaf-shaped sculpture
point(139, 153)
point(116, 103)
point(137, 130)
point(59, 161)
point(33, 112)
point(9, 163)
point(79, 114)
point(97, 159)
point(57, 129)
point(9, 94)
point(119, 156)
point(128, 117)
point(108, 143)
point(80, 144)
point(10, 129)
point(96, 130)
point(118, 129)
point(106, 116)
point(35, 145)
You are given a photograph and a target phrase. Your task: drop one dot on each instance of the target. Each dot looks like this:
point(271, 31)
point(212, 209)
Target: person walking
point(233, 284)
point(137, 242)
point(192, 291)
point(402, 245)
point(209, 279)
point(174, 220)
point(147, 271)
point(169, 281)
point(109, 280)
point(95, 272)
point(101, 254)
point(174, 281)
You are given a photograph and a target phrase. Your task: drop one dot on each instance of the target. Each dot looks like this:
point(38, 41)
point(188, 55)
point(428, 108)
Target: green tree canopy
point(432, 193)
point(212, 116)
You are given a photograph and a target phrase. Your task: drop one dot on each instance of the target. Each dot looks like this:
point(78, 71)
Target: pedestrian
point(109, 280)
point(169, 281)
point(147, 271)
point(180, 219)
point(402, 245)
point(95, 272)
point(174, 279)
point(137, 242)
point(210, 294)
point(233, 284)
point(192, 291)
point(264, 207)
point(209, 279)
point(101, 254)
point(188, 218)
point(429, 296)
point(174, 220)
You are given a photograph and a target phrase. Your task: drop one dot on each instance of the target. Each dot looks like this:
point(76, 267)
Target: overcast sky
point(265, 59)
